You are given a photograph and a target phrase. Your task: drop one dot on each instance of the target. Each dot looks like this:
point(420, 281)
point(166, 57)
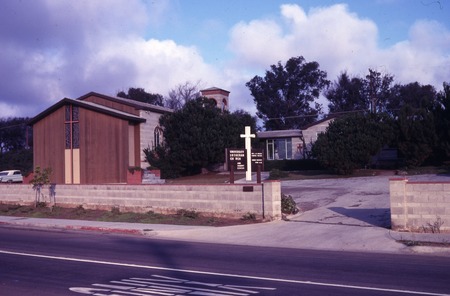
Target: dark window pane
point(67, 130)
point(281, 149)
point(289, 148)
point(76, 135)
point(75, 113)
point(270, 151)
point(67, 115)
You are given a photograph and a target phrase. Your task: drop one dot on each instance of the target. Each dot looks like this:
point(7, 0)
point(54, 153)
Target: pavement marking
point(167, 286)
point(279, 280)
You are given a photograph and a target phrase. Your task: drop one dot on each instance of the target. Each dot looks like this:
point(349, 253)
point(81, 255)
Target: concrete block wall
point(227, 200)
point(416, 206)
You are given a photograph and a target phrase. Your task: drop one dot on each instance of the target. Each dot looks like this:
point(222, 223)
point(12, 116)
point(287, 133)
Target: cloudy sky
point(51, 49)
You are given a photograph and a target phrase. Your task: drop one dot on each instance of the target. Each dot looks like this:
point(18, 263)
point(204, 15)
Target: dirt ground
point(182, 217)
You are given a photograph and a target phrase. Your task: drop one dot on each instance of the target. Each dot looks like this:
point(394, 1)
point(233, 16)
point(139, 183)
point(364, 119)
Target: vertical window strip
point(72, 127)
point(67, 135)
point(76, 135)
point(288, 148)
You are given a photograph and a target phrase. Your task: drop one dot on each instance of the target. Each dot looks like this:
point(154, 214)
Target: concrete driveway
point(360, 201)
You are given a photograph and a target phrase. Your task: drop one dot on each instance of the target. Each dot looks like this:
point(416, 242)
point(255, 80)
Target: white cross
point(248, 146)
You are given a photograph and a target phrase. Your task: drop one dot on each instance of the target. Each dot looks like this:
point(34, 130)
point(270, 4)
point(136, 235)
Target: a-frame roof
point(136, 104)
point(89, 106)
point(214, 89)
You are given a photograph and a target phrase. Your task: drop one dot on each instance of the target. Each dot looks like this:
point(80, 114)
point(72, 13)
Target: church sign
point(245, 159)
point(237, 159)
point(257, 159)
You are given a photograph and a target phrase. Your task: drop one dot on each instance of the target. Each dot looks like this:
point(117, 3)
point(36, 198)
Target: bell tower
point(220, 96)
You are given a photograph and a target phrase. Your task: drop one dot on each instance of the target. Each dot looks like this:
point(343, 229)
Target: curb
point(78, 227)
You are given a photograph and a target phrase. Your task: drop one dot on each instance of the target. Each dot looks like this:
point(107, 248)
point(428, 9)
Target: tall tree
point(181, 94)
point(196, 137)
point(285, 96)
point(350, 141)
point(377, 90)
point(413, 94)
point(416, 135)
point(13, 134)
point(346, 94)
point(370, 93)
point(15, 139)
point(442, 120)
point(139, 94)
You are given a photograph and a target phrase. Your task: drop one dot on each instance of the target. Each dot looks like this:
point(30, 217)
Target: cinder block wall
point(228, 200)
point(417, 206)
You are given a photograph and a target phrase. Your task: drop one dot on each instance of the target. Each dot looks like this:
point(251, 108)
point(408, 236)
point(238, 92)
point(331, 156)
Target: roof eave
point(99, 109)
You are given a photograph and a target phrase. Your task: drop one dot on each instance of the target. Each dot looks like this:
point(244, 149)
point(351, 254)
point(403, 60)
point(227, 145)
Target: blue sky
point(53, 49)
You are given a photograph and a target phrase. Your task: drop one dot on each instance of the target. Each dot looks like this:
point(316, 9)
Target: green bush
point(115, 211)
point(191, 214)
point(350, 142)
point(79, 210)
point(249, 217)
point(276, 174)
point(288, 205)
point(292, 165)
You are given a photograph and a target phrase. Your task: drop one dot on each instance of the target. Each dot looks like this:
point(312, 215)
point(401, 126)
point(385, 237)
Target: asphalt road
point(38, 262)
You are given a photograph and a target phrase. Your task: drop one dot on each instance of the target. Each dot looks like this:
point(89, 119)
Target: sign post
point(258, 163)
point(248, 147)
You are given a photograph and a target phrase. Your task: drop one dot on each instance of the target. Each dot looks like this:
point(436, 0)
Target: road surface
point(41, 262)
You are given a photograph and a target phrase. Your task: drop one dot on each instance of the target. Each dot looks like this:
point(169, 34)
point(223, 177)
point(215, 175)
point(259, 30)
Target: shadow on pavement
point(376, 217)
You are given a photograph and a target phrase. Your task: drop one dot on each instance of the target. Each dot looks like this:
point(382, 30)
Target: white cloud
point(424, 57)
point(340, 40)
point(156, 65)
point(73, 47)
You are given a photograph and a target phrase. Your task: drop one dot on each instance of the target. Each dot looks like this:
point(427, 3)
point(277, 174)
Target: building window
point(157, 137)
point(72, 127)
point(279, 148)
point(224, 105)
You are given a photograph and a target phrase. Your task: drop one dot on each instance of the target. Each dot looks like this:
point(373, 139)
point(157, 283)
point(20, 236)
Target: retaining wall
point(228, 200)
point(420, 206)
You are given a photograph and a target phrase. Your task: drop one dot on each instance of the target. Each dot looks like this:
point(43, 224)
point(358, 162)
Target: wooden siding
point(112, 104)
point(137, 145)
point(49, 144)
point(103, 148)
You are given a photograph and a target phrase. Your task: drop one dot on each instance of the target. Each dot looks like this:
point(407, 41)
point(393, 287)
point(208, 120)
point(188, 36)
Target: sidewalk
point(284, 234)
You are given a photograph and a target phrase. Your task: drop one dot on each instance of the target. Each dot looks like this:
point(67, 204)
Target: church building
point(95, 139)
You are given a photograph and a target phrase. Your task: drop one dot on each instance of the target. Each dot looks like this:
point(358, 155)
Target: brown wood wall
point(111, 104)
point(137, 145)
point(49, 144)
point(103, 148)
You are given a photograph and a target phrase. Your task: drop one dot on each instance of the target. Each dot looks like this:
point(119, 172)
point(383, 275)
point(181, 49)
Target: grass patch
point(182, 217)
point(205, 179)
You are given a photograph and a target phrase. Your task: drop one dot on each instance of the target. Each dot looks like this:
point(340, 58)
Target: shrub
point(292, 165)
point(79, 210)
point(41, 204)
point(350, 141)
point(249, 217)
point(115, 211)
point(288, 205)
point(276, 174)
point(191, 214)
